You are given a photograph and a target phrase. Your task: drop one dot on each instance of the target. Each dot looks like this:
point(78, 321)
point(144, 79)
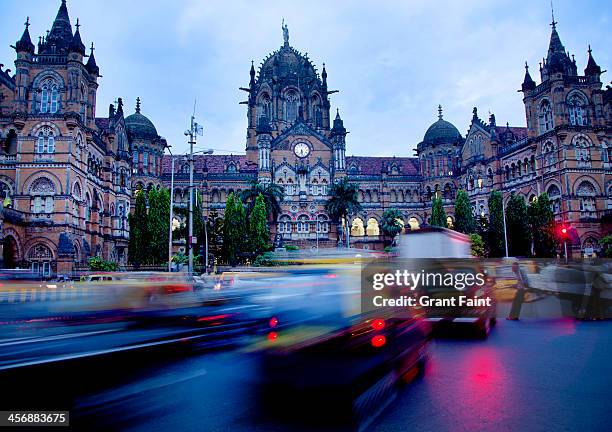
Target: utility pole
point(192, 133)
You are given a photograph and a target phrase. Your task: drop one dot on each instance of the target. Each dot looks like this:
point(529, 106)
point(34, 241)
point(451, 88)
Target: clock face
point(301, 150)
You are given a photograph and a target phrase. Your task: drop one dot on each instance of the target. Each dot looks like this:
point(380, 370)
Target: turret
point(593, 71)
point(528, 82)
point(25, 45)
point(91, 65)
point(338, 139)
point(264, 139)
point(76, 45)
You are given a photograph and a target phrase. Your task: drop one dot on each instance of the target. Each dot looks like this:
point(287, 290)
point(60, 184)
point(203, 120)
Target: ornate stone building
point(64, 173)
point(67, 176)
point(291, 141)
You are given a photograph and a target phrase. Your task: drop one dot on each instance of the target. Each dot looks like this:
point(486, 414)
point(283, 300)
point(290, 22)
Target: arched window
point(317, 112)
point(549, 154)
point(264, 107)
point(303, 224)
point(577, 110)
point(554, 195)
point(46, 140)
point(49, 100)
point(357, 229)
point(284, 224)
point(372, 228)
point(583, 151)
point(586, 193)
point(545, 116)
point(292, 100)
point(322, 224)
point(42, 191)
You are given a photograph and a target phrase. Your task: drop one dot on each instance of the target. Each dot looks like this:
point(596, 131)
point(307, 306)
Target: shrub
point(98, 264)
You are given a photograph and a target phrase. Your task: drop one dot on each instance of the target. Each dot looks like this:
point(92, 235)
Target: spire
point(76, 45)
point(119, 106)
point(25, 43)
point(592, 67)
point(439, 112)
point(528, 83)
point(338, 128)
point(324, 75)
point(138, 105)
point(91, 65)
point(61, 30)
point(252, 73)
point(557, 60)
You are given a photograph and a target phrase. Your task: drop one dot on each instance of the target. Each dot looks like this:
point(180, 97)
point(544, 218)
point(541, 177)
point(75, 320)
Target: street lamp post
point(505, 230)
point(171, 212)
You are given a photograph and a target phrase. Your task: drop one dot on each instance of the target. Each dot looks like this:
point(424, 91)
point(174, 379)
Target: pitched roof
point(519, 132)
point(374, 165)
point(102, 123)
point(215, 164)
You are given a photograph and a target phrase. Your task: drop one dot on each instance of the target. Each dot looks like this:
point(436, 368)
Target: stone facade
point(291, 141)
point(68, 177)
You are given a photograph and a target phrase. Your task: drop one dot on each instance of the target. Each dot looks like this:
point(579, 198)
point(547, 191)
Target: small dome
point(139, 126)
point(442, 130)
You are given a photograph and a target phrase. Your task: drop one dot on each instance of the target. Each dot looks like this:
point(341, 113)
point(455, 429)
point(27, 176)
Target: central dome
point(139, 126)
point(287, 63)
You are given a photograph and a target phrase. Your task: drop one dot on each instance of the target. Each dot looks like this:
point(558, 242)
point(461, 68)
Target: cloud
point(392, 61)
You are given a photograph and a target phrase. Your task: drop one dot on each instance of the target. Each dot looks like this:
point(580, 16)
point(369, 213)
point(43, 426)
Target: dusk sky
point(393, 62)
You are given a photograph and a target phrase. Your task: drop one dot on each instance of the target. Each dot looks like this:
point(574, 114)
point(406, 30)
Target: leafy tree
point(517, 225)
point(198, 224)
point(272, 194)
point(464, 219)
point(438, 215)
point(541, 221)
point(342, 203)
point(391, 224)
point(233, 228)
point(157, 221)
point(214, 225)
point(98, 264)
point(259, 236)
point(495, 233)
point(606, 245)
point(138, 248)
point(478, 246)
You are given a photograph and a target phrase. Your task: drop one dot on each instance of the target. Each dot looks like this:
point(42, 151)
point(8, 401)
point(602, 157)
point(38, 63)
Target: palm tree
point(272, 194)
point(343, 202)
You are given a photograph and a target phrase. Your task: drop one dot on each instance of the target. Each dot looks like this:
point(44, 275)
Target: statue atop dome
point(285, 32)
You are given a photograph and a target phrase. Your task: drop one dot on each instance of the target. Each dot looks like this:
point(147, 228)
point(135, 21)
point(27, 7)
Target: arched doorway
point(10, 252)
point(40, 258)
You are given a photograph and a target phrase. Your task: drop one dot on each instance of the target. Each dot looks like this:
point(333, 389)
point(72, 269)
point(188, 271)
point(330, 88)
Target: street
point(529, 375)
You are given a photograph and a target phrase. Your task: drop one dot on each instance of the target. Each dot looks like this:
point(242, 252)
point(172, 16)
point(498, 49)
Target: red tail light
point(378, 341)
point(272, 336)
point(378, 324)
point(273, 322)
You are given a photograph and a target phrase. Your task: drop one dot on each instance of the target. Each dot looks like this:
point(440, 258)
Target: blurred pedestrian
point(519, 297)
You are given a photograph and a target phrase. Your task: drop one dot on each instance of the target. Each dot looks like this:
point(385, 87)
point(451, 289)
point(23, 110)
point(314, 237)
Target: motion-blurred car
point(327, 359)
point(441, 250)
